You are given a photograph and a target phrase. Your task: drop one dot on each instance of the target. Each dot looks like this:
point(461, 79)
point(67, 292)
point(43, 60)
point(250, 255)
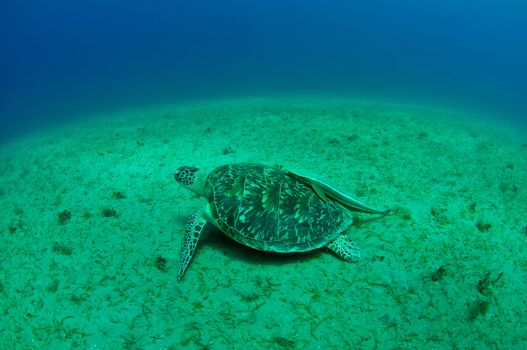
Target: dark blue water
point(62, 59)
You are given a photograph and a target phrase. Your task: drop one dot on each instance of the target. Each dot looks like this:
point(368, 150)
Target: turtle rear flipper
point(193, 229)
point(345, 248)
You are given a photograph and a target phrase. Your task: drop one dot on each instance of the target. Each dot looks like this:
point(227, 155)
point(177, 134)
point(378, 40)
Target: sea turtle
point(270, 209)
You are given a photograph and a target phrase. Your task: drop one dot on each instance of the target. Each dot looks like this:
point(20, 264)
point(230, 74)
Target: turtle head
point(191, 178)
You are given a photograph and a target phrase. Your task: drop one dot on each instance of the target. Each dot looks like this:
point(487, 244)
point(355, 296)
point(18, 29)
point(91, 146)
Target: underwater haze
point(361, 169)
point(62, 59)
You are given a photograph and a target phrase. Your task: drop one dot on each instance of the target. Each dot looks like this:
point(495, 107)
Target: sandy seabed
point(92, 221)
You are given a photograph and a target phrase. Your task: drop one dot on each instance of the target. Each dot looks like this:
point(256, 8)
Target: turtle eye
point(186, 175)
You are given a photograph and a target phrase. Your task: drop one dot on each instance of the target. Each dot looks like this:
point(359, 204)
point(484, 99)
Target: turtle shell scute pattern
point(264, 208)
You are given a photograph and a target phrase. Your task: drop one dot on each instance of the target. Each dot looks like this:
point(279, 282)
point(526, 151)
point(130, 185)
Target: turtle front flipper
point(344, 247)
point(193, 229)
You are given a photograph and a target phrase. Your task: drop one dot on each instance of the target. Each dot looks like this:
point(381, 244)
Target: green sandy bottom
point(92, 221)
